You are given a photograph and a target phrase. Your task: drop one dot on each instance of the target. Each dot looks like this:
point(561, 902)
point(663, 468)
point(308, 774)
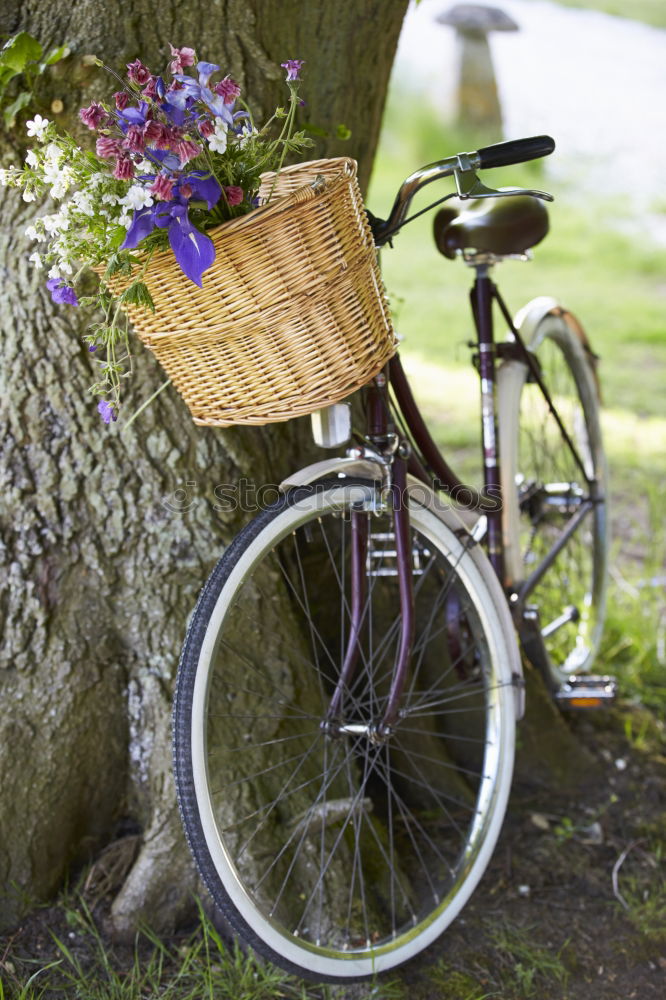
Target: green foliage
point(137, 294)
point(84, 965)
point(650, 11)
point(23, 56)
point(526, 968)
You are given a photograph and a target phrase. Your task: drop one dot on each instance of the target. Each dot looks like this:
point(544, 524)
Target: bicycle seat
point(498, 226)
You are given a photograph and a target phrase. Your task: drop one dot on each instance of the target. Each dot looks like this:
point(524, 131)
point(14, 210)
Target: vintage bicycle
point(343, 799)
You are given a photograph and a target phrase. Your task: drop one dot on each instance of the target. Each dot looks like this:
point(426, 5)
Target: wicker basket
point(292, 315)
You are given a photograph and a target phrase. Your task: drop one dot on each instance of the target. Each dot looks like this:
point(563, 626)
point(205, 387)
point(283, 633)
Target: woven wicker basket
point(292, 315)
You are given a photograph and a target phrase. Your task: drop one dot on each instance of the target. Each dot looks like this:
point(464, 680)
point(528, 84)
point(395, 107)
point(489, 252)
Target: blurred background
point(594, 79)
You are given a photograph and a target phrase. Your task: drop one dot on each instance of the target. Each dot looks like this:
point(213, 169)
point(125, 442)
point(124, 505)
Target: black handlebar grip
point(516, 151)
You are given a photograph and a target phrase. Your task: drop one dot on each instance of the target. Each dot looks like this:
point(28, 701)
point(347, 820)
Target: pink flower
point(228, 89)
point(122, 99)
point(151, 89)
point(139, 73)
point(94, 116)
point(107, 148)
point(157, 134)
point(124, 169)
point(162, 187)
point(234, 195)
point(186, 150)
point(134, 140)
point(181, 58)
point(206, 127)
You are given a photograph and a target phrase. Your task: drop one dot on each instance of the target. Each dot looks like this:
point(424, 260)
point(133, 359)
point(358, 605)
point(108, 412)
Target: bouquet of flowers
point(175, 155)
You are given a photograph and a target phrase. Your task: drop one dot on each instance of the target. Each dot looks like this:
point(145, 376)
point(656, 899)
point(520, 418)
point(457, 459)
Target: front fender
point(365, 468)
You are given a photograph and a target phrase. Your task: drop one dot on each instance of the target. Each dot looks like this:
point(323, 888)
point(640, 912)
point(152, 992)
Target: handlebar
point(502, 154)
point(463, 167)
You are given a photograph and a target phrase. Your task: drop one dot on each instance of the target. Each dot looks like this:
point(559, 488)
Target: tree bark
point(107, 536)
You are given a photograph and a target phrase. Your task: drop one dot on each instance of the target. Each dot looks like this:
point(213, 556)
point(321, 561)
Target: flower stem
point(145, 404)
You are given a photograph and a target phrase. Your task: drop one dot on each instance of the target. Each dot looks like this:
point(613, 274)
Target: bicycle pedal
point(382, 556)
point(587, 692)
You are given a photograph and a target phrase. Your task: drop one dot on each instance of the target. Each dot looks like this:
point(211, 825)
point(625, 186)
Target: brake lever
point(470, 185)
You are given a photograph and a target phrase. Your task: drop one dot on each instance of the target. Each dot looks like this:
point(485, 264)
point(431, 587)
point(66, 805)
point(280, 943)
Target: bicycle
point(343, 800)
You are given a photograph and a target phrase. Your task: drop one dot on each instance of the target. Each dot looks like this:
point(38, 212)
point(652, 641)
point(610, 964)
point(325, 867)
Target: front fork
point(395, 490)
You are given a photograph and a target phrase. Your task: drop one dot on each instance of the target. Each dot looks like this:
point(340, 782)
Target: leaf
point(7, 74)
point(55, 55)
point(137, 295)
point(9, 113)
point(342, 132)
point(20, 50)
point(118, 263)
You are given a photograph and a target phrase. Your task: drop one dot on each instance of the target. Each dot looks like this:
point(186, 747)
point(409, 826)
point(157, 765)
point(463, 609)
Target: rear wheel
point(334, 852)
point(554, 495)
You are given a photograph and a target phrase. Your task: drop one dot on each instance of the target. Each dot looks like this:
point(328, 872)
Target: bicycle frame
point(416, 453)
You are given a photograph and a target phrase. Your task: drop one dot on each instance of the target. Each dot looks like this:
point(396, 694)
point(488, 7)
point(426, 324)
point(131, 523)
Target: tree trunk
point(108, 536)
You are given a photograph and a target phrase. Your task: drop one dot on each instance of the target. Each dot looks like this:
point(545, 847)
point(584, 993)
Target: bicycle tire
point(361, 854)
point(543, 485)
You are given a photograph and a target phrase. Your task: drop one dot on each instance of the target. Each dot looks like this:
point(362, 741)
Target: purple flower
point(124, 169)
point(94, 116)
point(61, 292)
point(134, 140)
point(227, 89)
point(191, 91)
point(162, 187)
point(234, 195)
point(139, 73)
point(107, 147)
point(293, 68)
point(187, 150)
point(106, 411)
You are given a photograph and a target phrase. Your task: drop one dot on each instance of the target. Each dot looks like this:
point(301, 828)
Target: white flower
point(65, 267)
point(31, 233)
point(218, 140)
point(137, 197)
point(29, 195)
point(83, 202)
point(55, 223)
point(97, 179)
point(53, 153)
point(61, 183)
point(31, 158)
point(55, 272)
point(246, 133)
point(110, 199)
point(37, 127)
point(35, 259)
point(125, 220)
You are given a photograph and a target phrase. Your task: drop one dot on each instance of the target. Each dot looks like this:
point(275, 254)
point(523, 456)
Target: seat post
point(482, 295)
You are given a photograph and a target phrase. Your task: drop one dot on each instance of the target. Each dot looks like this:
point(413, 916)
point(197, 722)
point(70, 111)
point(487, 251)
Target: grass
point(650, 11)
point(511, 966)
point(83, 965)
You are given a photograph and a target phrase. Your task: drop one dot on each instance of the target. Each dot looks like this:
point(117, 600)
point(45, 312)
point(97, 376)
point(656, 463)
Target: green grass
point(83, 965)
point(650, 11)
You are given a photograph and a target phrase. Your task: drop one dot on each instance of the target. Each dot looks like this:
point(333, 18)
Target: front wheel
point(554, 487)
point(335, 850)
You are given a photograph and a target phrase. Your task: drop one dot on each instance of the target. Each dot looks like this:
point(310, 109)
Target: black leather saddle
point(498, 226)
